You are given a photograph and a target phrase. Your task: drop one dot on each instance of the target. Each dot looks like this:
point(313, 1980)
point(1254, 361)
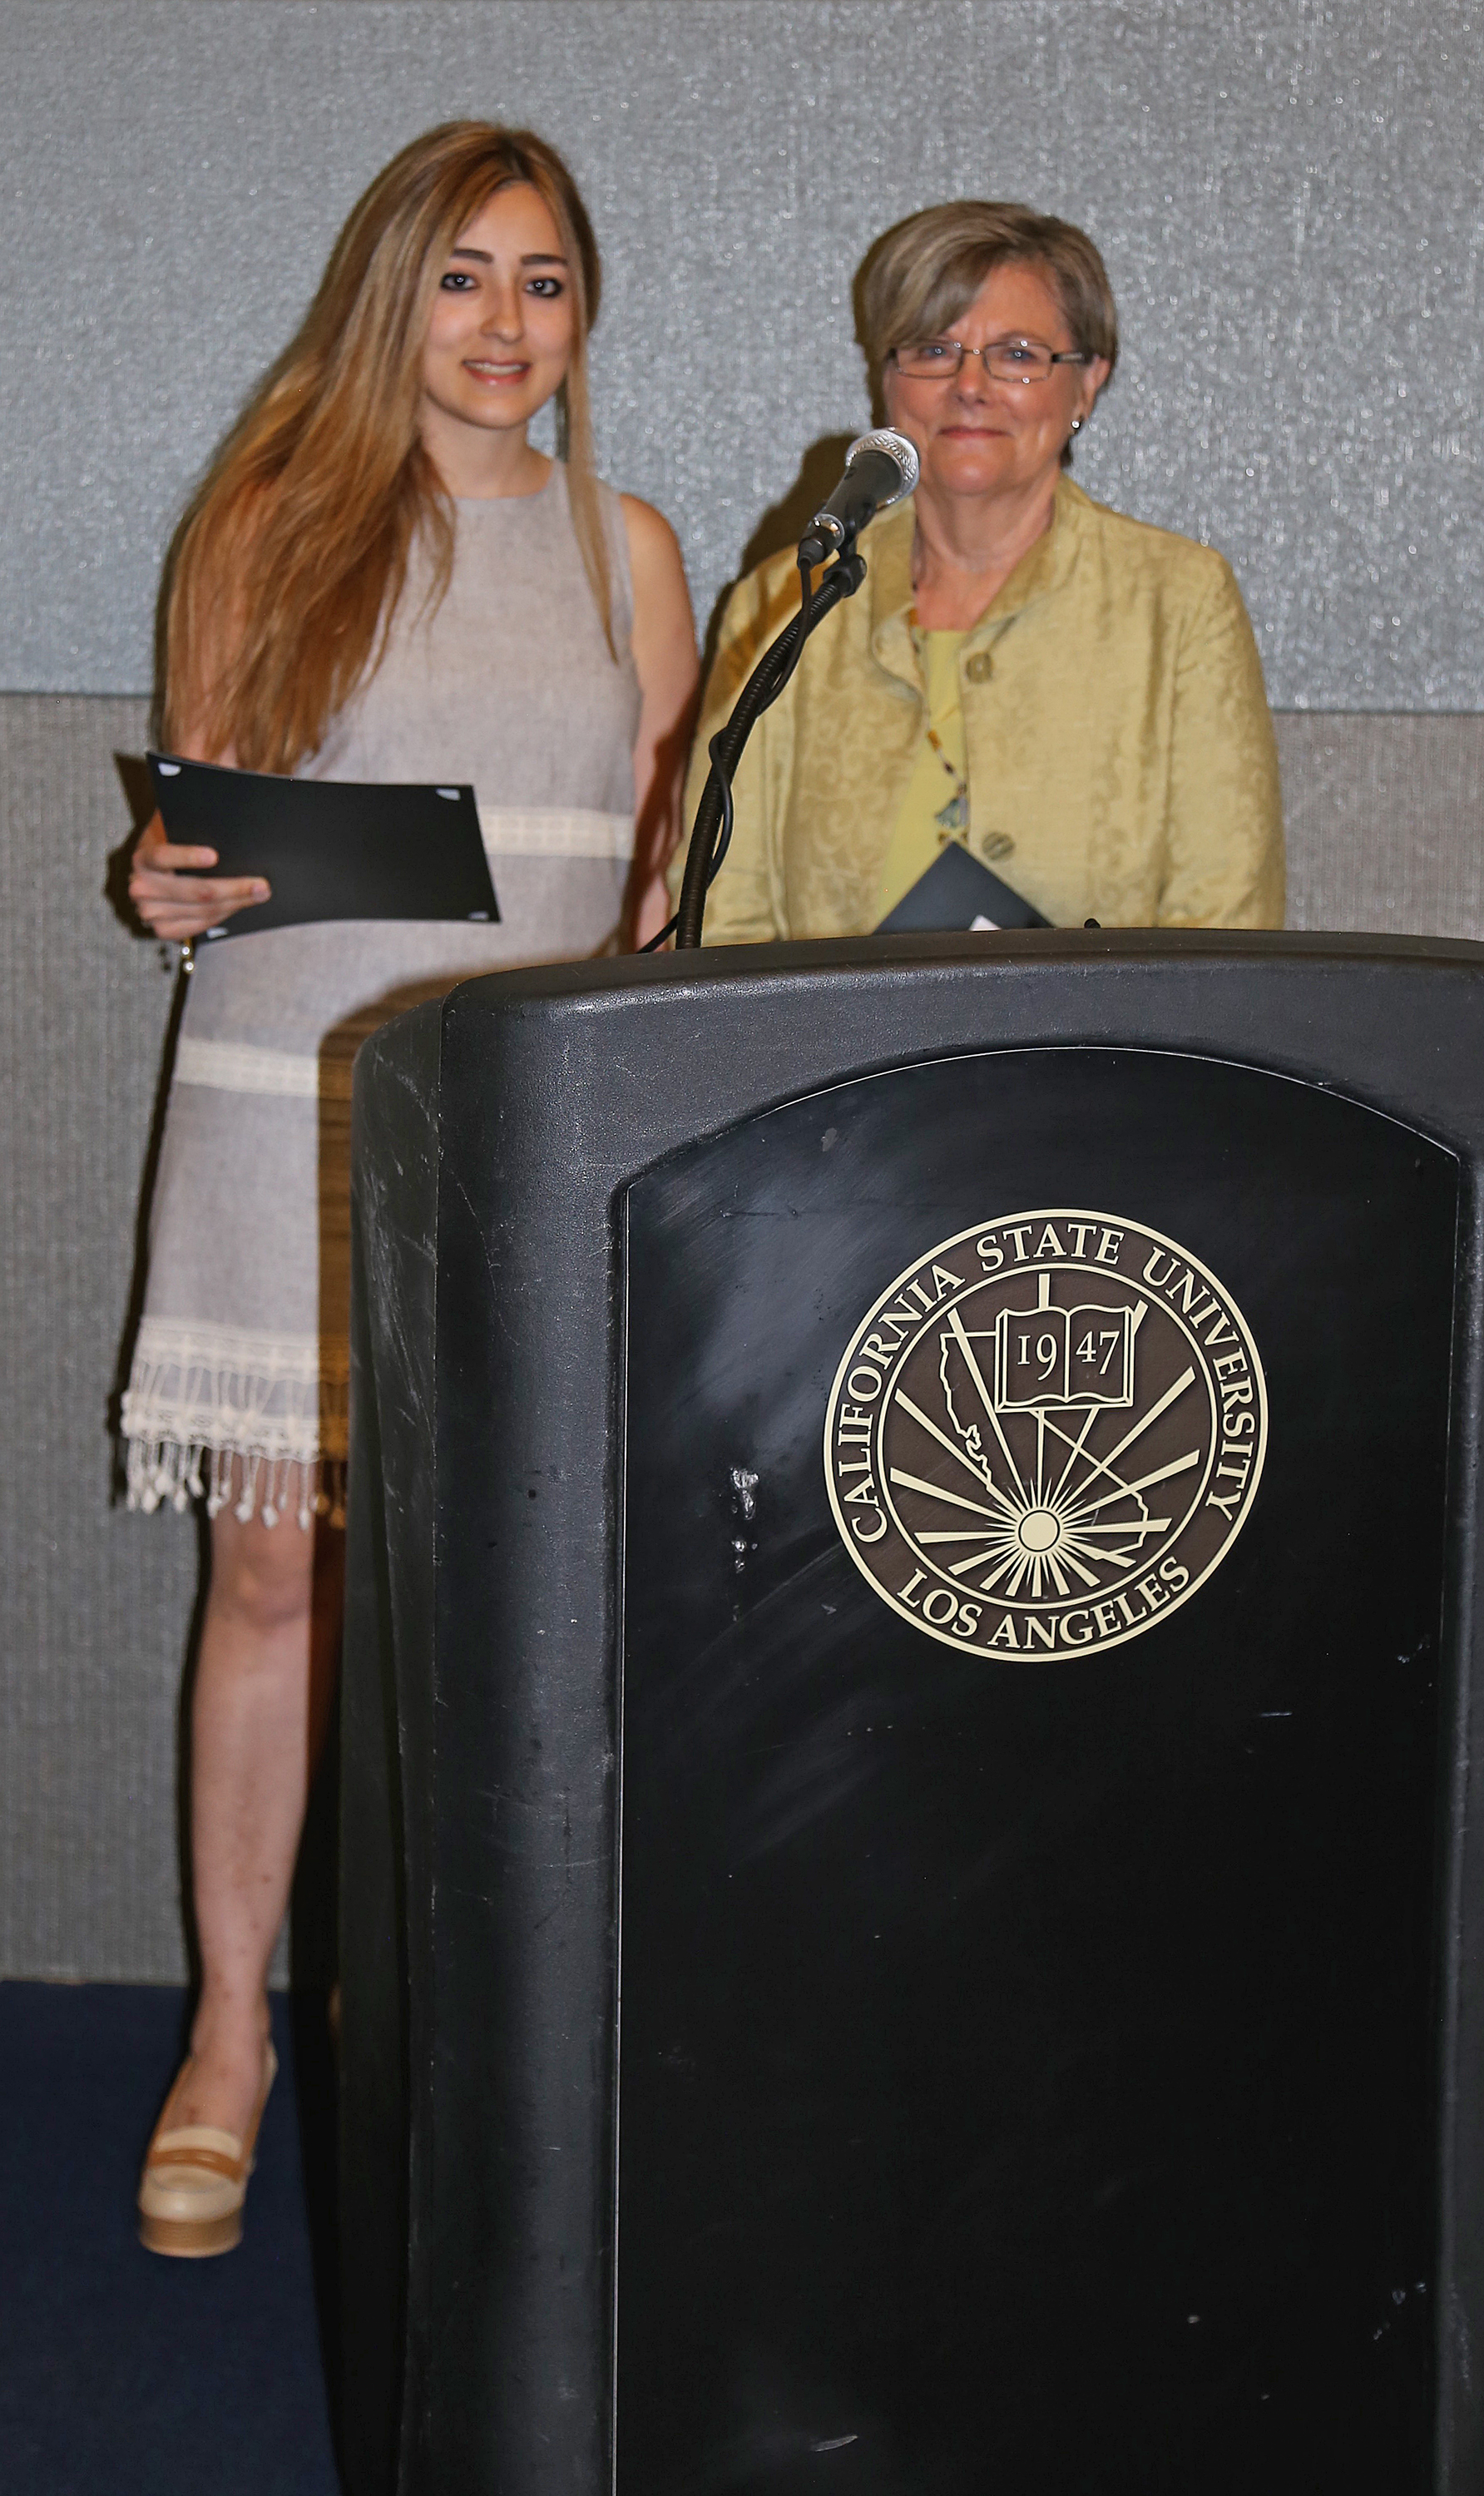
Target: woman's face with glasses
point(998, 424)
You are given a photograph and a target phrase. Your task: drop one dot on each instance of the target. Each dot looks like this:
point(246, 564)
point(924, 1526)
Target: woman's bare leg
point(263, 1681)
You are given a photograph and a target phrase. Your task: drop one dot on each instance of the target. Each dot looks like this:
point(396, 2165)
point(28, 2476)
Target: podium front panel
point(913, 1899)
point(1027, 2068)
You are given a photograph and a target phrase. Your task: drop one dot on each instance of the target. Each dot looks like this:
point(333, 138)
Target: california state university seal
point(1046, 1434)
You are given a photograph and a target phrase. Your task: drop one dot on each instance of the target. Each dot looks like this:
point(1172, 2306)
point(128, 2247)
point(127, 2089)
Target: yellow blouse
point(917, 835)
point(1121, 758)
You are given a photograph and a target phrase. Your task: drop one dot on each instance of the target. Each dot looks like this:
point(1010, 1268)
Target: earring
point(1076, 425)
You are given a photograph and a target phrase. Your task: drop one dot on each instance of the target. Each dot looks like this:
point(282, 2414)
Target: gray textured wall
point(1288, 196)
point(95, 1612)
point(1289, 201)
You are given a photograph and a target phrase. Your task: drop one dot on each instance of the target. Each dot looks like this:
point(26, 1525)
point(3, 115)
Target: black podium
point(911, 1902)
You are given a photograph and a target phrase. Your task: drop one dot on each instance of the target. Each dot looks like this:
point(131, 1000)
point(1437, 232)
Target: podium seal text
point(1046, 1434)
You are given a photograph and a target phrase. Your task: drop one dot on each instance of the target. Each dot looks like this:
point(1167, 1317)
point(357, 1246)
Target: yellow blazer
point(1118, 736)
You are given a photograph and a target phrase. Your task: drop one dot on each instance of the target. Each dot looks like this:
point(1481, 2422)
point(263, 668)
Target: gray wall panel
point(94, 1605)
point(1288, 195)
point(1385, 821)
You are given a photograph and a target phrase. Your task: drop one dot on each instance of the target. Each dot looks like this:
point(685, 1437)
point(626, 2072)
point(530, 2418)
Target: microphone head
point(894, 447)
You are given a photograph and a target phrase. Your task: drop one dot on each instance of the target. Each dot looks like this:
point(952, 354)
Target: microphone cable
point(711, 837)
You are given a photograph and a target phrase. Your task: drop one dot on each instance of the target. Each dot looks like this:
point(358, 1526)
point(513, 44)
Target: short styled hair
point(922, 276)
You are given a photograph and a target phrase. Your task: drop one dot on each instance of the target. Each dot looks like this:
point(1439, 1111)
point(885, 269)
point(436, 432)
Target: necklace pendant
point(954, 815)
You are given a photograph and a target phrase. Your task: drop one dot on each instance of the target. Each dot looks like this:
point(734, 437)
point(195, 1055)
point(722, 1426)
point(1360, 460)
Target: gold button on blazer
point(1117, 732)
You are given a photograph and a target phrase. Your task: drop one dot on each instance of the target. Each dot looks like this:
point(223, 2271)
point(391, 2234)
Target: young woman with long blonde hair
point(381, 579)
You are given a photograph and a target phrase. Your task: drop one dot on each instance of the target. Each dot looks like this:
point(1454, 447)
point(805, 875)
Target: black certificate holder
point(958, 895)
point(329, 849)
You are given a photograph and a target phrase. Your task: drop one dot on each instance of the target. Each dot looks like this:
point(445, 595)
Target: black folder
point(329, 849)
point(958, 892)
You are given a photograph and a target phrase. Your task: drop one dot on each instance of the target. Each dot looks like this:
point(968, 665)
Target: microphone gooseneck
point(712, 829)
point(879, 468)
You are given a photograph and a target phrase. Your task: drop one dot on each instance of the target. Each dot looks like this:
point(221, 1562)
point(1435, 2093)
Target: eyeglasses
point(1005, 360)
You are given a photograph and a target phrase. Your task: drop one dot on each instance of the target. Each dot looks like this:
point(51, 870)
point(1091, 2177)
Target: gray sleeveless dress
point(243, 1350)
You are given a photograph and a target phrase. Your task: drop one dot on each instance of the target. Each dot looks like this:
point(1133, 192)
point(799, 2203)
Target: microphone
point(879, 468)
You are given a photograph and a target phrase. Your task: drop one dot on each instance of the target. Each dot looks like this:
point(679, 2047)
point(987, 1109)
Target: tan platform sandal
point(194, 2182)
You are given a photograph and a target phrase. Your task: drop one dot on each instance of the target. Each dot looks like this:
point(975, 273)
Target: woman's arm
point(668, 673)
point(1225, 851)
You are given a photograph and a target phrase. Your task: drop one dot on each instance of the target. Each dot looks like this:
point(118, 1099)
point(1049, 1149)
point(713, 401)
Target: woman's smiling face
point(976, 436)
point(501, 335)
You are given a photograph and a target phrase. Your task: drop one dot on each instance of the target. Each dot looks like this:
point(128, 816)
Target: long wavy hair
point(290, 560)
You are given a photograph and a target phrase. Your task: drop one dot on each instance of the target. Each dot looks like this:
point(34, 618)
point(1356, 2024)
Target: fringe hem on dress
point(167, 1471)
point(246, 1420)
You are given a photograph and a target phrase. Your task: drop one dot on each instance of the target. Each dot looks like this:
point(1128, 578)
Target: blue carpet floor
point(123, 2374)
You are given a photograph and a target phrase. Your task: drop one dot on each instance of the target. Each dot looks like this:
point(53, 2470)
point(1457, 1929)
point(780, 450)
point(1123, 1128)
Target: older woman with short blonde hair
point(1074, 694)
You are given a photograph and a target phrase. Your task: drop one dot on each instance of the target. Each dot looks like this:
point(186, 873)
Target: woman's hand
point(180, 905)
